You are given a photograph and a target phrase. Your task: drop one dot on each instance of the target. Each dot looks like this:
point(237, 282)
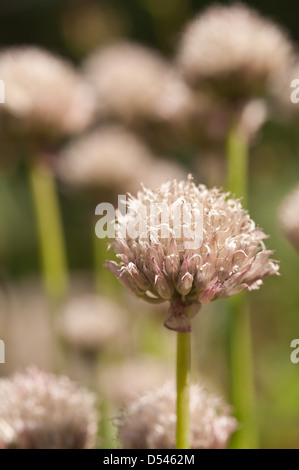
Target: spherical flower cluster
point(233, 51)
point(165, 260)
point(84, 322)
point(44, 94)
point(133, 82)
point(289, 217)
point(150, 421)
point(41, 411)
point(105, 159)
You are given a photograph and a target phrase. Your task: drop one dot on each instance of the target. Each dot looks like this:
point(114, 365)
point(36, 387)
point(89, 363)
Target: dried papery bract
point(231, 258)
point(45, 95)
point(41, 411)
point(289, 217)
point(233, 51)
point(113, 159)
point(149, 421)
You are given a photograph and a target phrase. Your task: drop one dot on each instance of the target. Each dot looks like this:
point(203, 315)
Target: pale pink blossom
point(44, 93)
point(150, 421)
point(231, 258)
point(233, 51)
point(41, 411)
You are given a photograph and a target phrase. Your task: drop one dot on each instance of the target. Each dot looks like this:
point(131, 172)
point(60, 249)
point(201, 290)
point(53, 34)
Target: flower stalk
point(183, 390)
point(239, 331)
point(241, 371)
point(49, 226)
point(237, 163)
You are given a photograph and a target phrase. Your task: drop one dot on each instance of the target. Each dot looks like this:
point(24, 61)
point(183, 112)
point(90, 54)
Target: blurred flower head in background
point(44, 93)
point(112, 159)
point(137, 86)
point(233, 51)
point(41, 411)
point(149, 422)
point(125, 381)
point(289, 217)
point(91, 322)
point(127, 78)
point(156, 268)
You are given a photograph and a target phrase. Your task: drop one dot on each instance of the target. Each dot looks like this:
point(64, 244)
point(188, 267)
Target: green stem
point(241, 370)
point(183, 391)
point(107, 428)
point(239, 331)
point(237, 164)
point(49, 226)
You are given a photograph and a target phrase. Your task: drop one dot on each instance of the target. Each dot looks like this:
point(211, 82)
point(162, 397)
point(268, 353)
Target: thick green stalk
point(50, 232)
point(241, 371)
point(237, 164)
point(183, 391)
point(239, 331)
point(107, 429)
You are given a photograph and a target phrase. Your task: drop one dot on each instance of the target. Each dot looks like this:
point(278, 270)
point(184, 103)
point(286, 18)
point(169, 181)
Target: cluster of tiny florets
point(150, 421)
point(232, 256)
point(41, 411)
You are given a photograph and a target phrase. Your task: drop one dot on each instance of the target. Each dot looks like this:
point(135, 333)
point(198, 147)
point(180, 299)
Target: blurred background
point(135, 349)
